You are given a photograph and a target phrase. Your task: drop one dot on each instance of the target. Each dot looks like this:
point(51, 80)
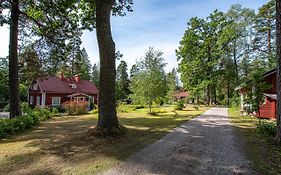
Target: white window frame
point(31, 99)
point(56, 101)
point(38, 100)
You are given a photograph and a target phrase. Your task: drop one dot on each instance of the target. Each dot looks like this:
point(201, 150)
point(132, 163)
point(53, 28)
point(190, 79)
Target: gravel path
point(206, 145)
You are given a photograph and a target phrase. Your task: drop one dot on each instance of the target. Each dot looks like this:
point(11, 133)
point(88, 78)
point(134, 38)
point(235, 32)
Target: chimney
point(77, 78)
point(61, 76)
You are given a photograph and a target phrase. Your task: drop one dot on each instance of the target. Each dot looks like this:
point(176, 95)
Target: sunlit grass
point(63, 145)
point(260, 149)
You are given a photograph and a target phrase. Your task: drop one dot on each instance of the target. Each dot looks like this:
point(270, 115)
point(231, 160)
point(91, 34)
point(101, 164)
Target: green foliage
point(126, 108)
point(255, 96)
point(30, 118)
point(179, 105)
point(75, 107)
point(7, 108)
point(148, 84)
point(267, 128)
point(95, 78)
point(122, 81)
point(172, 84)
point(4, 88)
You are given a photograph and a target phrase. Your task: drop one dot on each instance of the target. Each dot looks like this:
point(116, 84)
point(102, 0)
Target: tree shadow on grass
point(63, 145)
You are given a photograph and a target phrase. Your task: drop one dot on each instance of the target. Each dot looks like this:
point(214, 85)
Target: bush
point(266, 128)
point(55, 112)
point(28, 120)
point(25, 108)
point(17, 125)
point(75, 107)
point(179, 105)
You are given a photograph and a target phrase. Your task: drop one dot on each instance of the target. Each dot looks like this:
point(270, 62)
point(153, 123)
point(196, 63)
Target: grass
point(260, 149)
point(63, 145)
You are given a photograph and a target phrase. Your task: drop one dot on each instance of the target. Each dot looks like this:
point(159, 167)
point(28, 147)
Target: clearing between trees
point(63, 145)
point(205, 145)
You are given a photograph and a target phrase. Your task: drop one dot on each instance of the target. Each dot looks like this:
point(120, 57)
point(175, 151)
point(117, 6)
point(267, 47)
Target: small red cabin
point(268, 108)
point(53, 91)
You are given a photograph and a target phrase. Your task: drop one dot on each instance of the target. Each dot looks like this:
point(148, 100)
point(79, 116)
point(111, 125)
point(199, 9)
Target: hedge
point(17, 125)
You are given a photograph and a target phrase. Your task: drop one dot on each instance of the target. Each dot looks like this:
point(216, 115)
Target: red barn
point(53, 91)
point(268, 108)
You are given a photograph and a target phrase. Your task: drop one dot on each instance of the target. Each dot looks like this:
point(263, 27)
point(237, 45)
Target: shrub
point(28, 120)
point(179, 105)
point(75, 107)
point(25, 108)
point(267, 128)
point(17, 125)
point(55, 112)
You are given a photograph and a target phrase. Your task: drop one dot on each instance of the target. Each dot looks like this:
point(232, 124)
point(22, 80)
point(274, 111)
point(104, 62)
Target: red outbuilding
point(268, 108)
point(53, 91)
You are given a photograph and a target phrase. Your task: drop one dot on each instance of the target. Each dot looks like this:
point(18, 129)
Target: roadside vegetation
point(260, 147)
point(63, 145)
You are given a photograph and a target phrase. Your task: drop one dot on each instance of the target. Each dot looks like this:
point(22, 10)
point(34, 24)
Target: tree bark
point(107, 101)
point(13, 62)
point(278, 44)
point(235, 62)
point(208, 95)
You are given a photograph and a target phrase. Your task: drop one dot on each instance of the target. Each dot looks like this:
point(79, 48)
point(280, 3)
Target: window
point(55, 101)
point(31, 100)
point(38, 100)
point(35, 87)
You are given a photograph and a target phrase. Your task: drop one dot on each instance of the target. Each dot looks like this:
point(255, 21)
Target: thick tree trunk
point(278, 44)
point(13, 62)
point(107, 102)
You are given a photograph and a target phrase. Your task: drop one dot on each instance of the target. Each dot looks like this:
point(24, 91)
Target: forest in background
point(226, 49)
point(216, 54)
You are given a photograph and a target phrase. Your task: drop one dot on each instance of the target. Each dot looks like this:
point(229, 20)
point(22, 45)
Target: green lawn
point(260, 149)
point(63, 145)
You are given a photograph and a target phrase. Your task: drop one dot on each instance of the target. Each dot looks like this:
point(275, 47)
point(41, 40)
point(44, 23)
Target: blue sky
point(157, 23)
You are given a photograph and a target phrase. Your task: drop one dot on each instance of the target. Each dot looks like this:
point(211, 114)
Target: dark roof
point(266, 74)
point(52, 84)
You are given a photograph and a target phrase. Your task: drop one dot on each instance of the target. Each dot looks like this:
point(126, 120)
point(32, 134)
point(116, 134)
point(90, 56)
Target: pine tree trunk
point(13, 62)
point(208, 96)
point(107, 102)
point(278, 44)
point(235, 63)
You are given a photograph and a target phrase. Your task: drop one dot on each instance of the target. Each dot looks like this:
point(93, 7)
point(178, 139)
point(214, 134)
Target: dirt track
point(205, 145)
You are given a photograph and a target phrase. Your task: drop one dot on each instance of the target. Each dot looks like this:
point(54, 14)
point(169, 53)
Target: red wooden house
point(53, 91)
point(268, 108)
point(180, 95)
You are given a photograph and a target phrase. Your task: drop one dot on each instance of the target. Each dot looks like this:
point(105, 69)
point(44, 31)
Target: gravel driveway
point(205, 145)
